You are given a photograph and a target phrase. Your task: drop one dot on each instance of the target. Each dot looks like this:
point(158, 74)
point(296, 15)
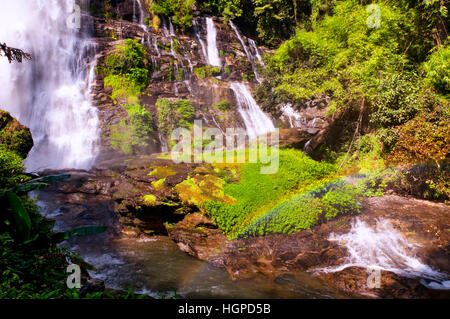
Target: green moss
point(206, 71)
point(223, 106)
point(162, 172)
point(149, 200)
point(14, 136)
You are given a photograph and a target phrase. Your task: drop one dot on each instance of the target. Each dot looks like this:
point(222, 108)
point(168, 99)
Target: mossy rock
point(15, 136)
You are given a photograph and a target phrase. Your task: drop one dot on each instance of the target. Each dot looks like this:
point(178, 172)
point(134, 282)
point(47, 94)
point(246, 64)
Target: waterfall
point(171, 29)
point(250, 57)
point(255, 48)
point(51, 93)
point(199, 38)
point(213, 52)
point(256, 122)
point(295, 119)
point(141, 15)
point(382, 247)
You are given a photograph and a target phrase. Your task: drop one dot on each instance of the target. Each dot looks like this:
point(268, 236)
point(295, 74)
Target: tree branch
point(14, 54)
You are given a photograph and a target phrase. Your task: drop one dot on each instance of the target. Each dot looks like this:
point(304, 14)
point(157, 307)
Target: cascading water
point(256, 122)
point(295, 120)
point(250, 57)
point(199, 39)
point(255, 48)
point(142, 16)
point(213, 52)
point(51, 93)
point(384, 248)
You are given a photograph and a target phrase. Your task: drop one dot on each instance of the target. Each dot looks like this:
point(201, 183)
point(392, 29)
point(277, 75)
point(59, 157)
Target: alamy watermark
point(374, 278)
point(73, 21)
point(374, 19)
point(211, 145)
point(74, 278)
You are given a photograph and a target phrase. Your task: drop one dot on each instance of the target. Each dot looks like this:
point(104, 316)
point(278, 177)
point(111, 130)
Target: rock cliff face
point(181, 69)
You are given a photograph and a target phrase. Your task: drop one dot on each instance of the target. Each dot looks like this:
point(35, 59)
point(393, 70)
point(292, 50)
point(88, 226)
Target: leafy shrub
point(206, 71)
point(396, 101)
point(179, 10)
point(174, 114)
point(135, 133)
point(11, 169)
point(223, 106)
point(437, 70)
point(424, 138)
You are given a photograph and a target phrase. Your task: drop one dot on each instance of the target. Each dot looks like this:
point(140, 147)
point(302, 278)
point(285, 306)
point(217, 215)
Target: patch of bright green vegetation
point(223, 106)
point(174, 114)
point(135, 132)
point(162, 172)
point(201, 188)
point(126, 73)
point(11, 168)
point(179, 10)
point(206, 71)
point(149, 200)
point(159, 184)
point(126, 70)
point(257, 192)
point(306, 210)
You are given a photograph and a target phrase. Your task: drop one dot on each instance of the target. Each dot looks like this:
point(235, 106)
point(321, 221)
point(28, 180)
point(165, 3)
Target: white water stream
point(213, 52)
point(256, 122)
point(384, 248)
point(51, 93)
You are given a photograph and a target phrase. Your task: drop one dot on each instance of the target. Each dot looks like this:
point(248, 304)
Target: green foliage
point(437, 70)
point(21, 217)
point(126, 70)
point(229, 9)
point(223, 106)
point(179, 10)
point(13, 136)
point(256, 192)
point(276, 20)
point(423, 139)
point(174, 114)
point(342, 57)
point(306, 210)
point(127, 58)
point(206, 71)
point(11, 168)
point(396, 101)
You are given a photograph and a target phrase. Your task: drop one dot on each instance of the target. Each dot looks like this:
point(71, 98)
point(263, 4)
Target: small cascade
point(155, 45)
point(250, 57)
point(142, 15)
point(171, 29)
point(255, 48)
point(199, 38)
point(383, 248)
point(213, 52)
point(256, 122)
point(295, 119)
point(164, 29)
